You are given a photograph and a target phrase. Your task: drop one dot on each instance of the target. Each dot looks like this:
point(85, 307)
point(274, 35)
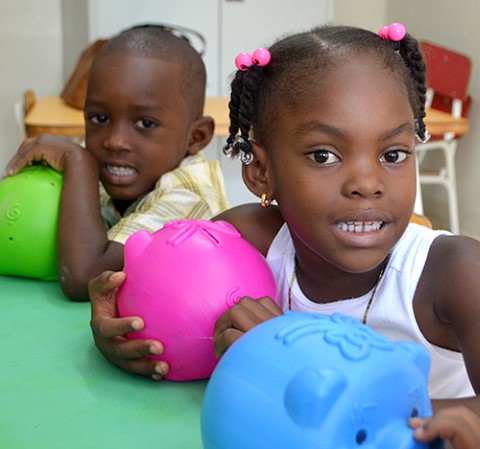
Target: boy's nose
point(117, 138)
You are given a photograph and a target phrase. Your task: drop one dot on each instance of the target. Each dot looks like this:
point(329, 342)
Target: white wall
point(31, 57)
point(369, 14)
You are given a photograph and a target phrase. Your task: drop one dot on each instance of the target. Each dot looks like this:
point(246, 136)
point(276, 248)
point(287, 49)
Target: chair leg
point(418, 207)
point(451, 185)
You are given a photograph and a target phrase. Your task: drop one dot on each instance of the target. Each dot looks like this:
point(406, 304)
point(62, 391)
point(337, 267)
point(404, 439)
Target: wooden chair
point(421, 220)
point(29, 100)
point(20, 109)
point(448, 76)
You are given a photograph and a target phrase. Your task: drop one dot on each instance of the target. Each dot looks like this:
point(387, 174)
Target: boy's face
point(137, 122)
point(343, 165)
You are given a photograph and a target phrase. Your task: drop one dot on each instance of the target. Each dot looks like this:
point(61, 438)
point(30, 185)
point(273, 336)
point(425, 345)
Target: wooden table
point(58, 392)
point(51, 115)
point(439, 122)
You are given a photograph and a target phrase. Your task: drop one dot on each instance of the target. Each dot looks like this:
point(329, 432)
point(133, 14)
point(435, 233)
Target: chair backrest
point(448, 78)
point(448, 71)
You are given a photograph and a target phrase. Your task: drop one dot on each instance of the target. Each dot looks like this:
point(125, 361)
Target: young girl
point(328, 129)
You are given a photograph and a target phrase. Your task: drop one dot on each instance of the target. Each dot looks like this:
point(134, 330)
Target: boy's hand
point(109, 330)
point(243, 316)
point(52, 150)
point(458, 425)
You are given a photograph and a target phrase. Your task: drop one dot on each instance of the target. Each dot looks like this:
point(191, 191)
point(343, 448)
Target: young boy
point(144, 133)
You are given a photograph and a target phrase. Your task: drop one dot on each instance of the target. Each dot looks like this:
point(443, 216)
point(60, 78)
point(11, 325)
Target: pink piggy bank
point(180, 279)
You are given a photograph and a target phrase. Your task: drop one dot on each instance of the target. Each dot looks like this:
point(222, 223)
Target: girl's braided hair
point(297, 61)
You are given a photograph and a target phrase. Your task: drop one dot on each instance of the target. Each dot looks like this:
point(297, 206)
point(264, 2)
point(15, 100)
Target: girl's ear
point(201, 133)
point(256, 175)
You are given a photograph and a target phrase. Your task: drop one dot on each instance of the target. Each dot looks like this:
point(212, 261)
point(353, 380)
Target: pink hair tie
point(394, 32)
point(260, 57)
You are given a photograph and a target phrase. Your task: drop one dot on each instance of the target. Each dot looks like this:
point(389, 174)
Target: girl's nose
point(364, 180)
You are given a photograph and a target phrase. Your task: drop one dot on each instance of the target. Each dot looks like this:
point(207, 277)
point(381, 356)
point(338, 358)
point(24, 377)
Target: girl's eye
point(146, 124)
point(394, 156)
point(323, 157)
point(98, 119)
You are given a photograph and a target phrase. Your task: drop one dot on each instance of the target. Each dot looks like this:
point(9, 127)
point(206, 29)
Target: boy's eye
point(98, 119)
point(146, 124)
point(323, 157)
point(394, 156)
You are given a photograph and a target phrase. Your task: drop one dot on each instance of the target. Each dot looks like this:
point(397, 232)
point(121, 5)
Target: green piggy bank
point(29, 208)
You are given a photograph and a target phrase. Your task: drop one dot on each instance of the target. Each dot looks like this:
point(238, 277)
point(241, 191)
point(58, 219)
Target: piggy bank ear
point(135, 245)
point(418, 354)
point(311, 394)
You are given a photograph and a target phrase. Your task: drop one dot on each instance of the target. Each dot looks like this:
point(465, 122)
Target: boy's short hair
point(157, 41)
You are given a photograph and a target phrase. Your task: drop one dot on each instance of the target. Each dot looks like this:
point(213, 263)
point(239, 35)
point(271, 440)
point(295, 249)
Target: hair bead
point(261, 57)
point(243, 61)
point(394, 32)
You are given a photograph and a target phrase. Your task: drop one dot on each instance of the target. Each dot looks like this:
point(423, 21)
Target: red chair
point(448, 76)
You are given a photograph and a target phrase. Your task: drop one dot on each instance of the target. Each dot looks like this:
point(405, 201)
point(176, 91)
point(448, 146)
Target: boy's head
point(144, 109)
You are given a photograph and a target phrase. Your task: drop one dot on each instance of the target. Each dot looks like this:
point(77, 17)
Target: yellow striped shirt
point(195, 189)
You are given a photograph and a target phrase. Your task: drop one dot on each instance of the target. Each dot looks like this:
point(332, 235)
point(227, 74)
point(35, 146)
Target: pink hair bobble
point(243, 61)
point(394, 32)
point(260, 57)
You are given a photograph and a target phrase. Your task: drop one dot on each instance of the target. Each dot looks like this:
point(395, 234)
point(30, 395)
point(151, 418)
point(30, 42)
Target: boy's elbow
point(74, 287)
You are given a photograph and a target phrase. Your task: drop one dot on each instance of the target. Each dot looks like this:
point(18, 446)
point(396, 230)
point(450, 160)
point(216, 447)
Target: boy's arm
point(84, 250)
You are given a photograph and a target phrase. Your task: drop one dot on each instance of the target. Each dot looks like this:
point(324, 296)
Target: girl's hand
point(109, 330)
point(243, 316)
point(458, 425)
point(51, 150)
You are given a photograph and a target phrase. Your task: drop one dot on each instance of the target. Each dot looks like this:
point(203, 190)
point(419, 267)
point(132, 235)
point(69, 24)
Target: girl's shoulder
point(257, 224)
point(455, 253)
point(453, 272)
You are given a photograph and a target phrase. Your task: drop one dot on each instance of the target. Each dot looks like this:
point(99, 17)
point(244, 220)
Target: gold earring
point(265, 201)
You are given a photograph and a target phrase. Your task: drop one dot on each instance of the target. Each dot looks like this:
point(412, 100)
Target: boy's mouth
point(120, 171)
point(360, 226)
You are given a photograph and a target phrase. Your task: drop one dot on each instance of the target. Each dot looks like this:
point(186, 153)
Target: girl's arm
point(454, 278)
point(458, 425)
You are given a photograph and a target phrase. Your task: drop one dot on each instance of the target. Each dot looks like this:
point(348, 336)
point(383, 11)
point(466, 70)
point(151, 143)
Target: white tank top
point(391, 313)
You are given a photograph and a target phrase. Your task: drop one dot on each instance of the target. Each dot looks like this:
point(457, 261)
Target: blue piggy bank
point(303, 381)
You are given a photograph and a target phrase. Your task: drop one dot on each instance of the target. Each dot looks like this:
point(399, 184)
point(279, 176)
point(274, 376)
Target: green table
point(57, 391)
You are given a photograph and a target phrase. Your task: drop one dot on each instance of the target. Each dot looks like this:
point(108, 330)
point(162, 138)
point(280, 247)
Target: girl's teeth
point(360, 226)
point(120, 171)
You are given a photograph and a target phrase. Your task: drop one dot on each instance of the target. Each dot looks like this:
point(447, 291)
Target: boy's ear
point(256, 175)
point(201, 133)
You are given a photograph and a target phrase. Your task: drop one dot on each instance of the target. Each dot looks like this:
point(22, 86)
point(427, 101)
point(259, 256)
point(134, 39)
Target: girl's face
point(137, 122)
point(342, 166)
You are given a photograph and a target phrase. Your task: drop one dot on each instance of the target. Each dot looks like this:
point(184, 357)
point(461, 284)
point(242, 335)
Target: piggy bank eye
point(361, 437)
point(414, 412)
